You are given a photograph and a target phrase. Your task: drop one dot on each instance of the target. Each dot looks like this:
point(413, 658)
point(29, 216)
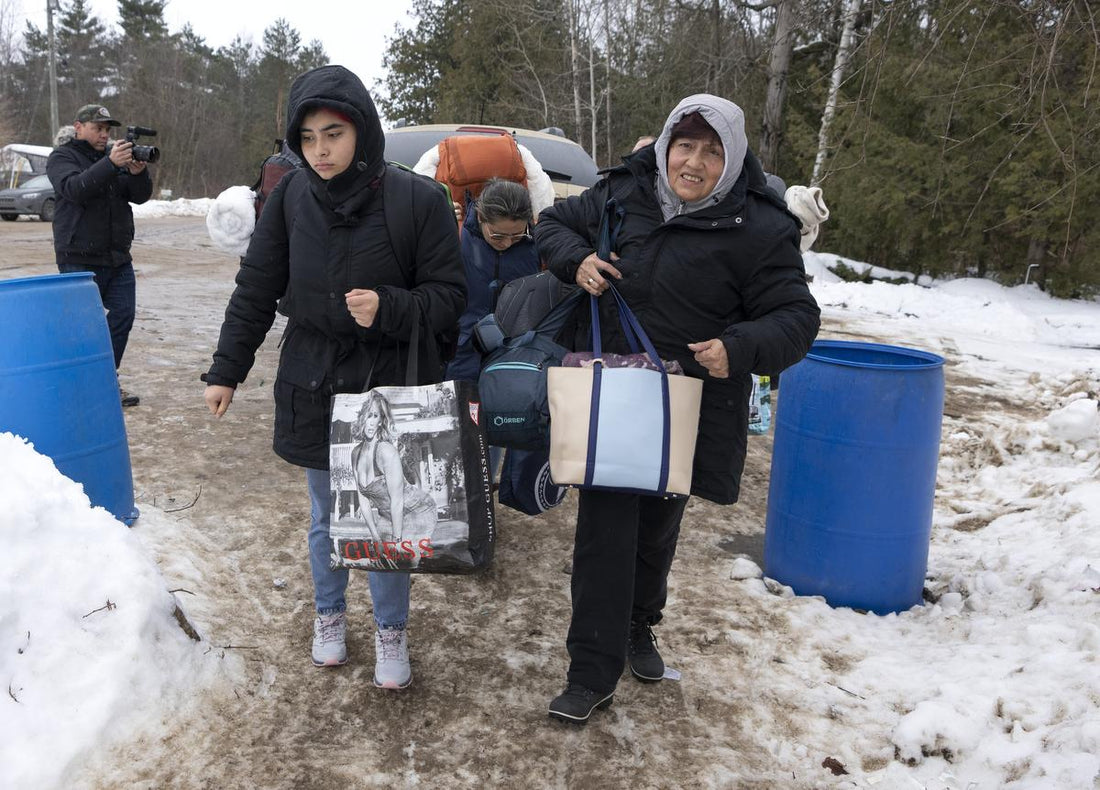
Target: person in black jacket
point(93, 226)
point(707, 257)
point(322, 256)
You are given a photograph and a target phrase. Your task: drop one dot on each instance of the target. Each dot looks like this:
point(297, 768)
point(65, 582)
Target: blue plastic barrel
point(58, 387)
point(857, 438)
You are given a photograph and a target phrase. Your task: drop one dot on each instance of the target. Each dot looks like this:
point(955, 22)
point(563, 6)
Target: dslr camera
point(142, 153)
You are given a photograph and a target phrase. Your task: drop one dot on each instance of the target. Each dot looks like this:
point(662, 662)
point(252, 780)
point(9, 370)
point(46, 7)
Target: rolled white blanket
point(539, 185)
point(808, 204)
point(231, 219)
point(428, 162)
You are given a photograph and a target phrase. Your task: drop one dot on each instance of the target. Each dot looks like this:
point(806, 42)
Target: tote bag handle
point(611, 222)
point(412, 358)
point(629, 323)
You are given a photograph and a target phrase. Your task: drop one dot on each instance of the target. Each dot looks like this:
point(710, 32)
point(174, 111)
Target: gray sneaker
point(391, 659)
point(329, 634)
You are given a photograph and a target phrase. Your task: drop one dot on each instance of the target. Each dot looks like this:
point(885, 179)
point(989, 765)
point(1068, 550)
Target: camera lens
point(146, 153)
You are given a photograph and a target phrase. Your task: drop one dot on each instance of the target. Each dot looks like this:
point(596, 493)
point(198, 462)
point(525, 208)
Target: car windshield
point(562, 160)
point(38, 182)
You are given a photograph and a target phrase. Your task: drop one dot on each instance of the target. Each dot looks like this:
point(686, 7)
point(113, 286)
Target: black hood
point(338, 89)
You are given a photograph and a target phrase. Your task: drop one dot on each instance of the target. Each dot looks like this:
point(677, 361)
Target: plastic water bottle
point(760, 405)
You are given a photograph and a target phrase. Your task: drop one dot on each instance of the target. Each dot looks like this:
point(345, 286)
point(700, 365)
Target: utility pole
point(51, 6)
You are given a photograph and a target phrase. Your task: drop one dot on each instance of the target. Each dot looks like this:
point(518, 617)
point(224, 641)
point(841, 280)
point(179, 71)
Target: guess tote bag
point(410, 478)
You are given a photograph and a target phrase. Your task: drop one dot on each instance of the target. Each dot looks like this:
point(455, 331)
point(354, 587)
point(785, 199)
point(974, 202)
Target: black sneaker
point(576, 703)
point(128, 398)
point(646, 663)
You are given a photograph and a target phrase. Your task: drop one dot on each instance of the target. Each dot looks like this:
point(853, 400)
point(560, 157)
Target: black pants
point(622, 553)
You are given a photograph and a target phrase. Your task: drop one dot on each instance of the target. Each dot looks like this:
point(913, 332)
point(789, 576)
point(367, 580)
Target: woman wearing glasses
point(496, 248)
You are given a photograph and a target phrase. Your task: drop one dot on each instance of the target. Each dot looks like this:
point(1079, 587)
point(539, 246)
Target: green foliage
point(969, 141)
point(849, 274)
point(142, 19)
point(416, 60)
point(81, 36)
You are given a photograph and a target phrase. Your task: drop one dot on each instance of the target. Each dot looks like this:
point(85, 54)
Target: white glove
point(808, 204)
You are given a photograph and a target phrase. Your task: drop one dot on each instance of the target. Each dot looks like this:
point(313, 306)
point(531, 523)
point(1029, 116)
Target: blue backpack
point(512, 383)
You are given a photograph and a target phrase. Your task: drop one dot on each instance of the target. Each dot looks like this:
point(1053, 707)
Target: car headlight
point(31, 195)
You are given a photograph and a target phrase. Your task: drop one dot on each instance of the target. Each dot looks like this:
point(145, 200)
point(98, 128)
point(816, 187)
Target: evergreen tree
point(279, 65)
point(81, 39)
point(417, 59)
point(30, 84)
point(142, 19)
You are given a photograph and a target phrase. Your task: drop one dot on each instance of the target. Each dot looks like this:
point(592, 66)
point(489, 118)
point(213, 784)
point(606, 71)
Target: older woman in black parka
point(708, 259)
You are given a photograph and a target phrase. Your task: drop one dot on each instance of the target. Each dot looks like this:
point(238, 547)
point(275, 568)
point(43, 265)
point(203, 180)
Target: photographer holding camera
point(93, 224)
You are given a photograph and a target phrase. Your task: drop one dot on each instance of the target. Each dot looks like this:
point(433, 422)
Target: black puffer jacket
point(315, 241)
point(93, 224)
point(731, 271)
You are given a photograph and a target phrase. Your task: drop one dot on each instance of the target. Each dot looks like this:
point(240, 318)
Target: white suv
point(570, 169)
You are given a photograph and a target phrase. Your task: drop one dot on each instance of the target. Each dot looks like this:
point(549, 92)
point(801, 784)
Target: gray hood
point(728, 120)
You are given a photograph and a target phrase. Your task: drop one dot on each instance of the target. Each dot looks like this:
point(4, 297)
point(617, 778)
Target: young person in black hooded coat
point(321, 256)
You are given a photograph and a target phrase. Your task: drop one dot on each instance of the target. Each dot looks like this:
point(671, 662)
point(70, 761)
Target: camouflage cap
point(95, 113)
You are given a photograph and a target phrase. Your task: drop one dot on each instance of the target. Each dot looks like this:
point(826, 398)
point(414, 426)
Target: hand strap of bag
point(609, 235)
point(627, 319)
point(412, 358)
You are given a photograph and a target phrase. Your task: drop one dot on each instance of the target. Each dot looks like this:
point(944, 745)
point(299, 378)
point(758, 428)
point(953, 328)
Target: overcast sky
point(354, 37)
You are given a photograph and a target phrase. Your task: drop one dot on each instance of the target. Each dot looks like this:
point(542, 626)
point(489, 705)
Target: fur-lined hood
point(66, 134)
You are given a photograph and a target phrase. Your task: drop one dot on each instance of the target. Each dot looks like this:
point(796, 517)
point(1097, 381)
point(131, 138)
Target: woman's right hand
point(218, 398)
point(593, 271)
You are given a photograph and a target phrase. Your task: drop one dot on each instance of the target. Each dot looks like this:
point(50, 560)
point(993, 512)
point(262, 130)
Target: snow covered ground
point(993, 683)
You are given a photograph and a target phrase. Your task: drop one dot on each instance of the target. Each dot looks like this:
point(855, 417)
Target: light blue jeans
point(389, 591)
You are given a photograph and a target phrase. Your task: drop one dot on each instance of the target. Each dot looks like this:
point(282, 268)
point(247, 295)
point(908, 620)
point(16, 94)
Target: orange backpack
point(467, 161)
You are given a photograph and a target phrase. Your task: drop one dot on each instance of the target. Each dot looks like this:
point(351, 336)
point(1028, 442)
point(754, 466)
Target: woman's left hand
point(592, 273)
point(711, 354)
point(363, 305)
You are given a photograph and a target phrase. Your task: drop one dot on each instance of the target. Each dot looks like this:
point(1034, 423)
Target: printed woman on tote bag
point(393, 509)
point(708, 260)
point(322, 255)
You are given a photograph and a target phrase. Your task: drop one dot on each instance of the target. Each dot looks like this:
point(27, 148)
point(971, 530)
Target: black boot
point(576, 703)
point(646, 663)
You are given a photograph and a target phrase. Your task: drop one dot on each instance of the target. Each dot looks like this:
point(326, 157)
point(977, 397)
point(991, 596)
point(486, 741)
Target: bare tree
point(7, 33)
point(574, 62)
point(533, 80)
point(592, 95)
point(779, 65)
point(607, 74)
point(7, 59)
point(840, 65)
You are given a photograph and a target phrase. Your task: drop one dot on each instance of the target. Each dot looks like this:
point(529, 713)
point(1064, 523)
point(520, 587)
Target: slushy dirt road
point(488, 652)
